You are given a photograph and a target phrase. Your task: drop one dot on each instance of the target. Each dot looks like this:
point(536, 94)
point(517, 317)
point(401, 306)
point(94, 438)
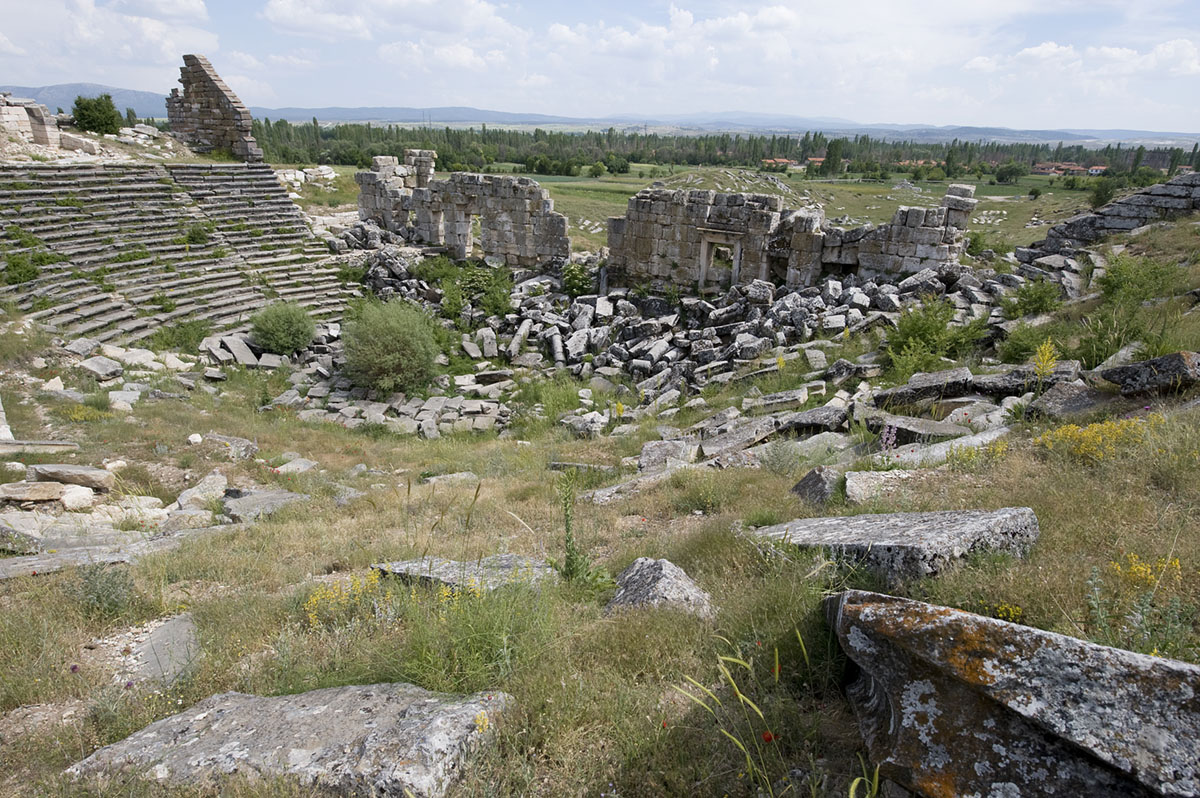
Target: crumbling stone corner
point(208, 115)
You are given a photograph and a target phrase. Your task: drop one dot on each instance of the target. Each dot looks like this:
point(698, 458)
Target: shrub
point(577, 279)
point(924, 335)
point(282, 328)
point(1103, 191)
point(197, 235)
point(97, 114)
point(19, 269)
point(184, 336)
point(390, 347)
point(1097, 442)
point(104, 591)
point(1136, 280)
point(1035, 296)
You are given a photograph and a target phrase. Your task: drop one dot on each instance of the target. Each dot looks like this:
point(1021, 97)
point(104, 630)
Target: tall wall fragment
point(208, 115)
point(705, 238)
point(516, 216)
point(28, 120)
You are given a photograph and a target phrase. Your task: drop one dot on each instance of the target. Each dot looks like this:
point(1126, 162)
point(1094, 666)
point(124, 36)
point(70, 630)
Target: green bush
point(1133, 281)
point(577, 280)
point(197, 235)
point(97, 114)
point(282, 328)
point(1035, 296)
point(1020, 344)
point(924, 335)
point(19, 269)
point(390, 347)
point(1103, 191)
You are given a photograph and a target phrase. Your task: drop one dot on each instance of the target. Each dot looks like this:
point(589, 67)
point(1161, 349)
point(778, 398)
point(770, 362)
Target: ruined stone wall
point(28, 120)
point(208, 115)
point(1178, 196)
point(517, 217)
point(705, 238)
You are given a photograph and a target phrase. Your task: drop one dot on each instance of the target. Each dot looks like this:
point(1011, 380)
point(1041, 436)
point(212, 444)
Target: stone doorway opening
point(720, 260)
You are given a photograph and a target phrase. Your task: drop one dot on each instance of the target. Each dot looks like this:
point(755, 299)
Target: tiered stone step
point(127, 269)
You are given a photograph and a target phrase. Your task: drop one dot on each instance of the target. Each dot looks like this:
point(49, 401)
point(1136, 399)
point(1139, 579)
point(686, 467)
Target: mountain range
point(151, 104)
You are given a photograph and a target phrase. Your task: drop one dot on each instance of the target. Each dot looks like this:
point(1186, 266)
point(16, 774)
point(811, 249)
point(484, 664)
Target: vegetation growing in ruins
point(924, 336)
point(180, 336)
point(1034, 296)
point(97, 114)
point(282, 328)
point(390, 347)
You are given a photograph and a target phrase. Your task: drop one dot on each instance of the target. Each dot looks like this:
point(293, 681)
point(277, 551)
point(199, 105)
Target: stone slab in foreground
point(484, 574)
point(951, 703)
point(911, 545)
point(380, 739)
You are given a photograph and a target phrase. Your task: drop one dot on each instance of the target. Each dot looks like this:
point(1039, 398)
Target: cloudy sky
point(1015, 63)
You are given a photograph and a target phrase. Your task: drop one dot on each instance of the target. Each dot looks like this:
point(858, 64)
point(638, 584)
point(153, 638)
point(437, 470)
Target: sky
point(1011, 63)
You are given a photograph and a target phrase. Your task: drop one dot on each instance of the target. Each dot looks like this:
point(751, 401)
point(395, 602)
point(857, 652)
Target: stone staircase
point(124, 249)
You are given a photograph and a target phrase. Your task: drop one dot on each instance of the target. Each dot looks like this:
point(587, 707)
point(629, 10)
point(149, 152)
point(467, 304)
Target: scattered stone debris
point(386, 739)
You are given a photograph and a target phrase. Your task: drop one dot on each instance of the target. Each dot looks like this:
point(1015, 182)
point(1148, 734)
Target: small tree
point(597, 169)
point(130, 117)
point(1034, 193)
point(282, 328)
point(1102, 193)
point(390, 347)
point(97, 114)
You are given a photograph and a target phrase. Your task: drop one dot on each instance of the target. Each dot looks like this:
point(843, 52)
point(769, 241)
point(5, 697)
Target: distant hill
point(145, 103)
point(62, 95)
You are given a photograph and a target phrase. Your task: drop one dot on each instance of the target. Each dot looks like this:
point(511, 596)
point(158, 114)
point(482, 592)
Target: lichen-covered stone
point(380, 739)
point(954, 704)
point(1169, 372)
point(659, 583)
point(935, 385)
point(903, 546)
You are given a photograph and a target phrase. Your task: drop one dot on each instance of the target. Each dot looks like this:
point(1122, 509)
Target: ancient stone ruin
point(208, 115)
point(517, 220)
point(28, 120)
point(704, 238)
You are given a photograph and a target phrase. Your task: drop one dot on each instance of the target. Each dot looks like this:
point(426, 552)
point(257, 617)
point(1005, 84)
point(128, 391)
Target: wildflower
point(129, 685)
point(481, 721)
point(74, 669)
point(768, 737)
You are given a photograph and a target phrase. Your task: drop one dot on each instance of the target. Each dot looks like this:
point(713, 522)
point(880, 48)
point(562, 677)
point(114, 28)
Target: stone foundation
point(517, 218)
point(208, 115)
point(705, 238)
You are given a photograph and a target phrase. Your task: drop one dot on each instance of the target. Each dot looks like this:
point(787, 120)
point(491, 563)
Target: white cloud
point(194, 10)
point(7, 47)
point(295, 60)
point(251, 91)
point(322, 19)
point(241, 60)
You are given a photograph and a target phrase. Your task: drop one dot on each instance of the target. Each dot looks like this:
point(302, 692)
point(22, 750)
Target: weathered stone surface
point(169, 650)
point(77, 497)
point(1067, 399)
point(380, 739)
point(201, 495)
point(951, 703)
point(911, 545)
point(451, 479)
point(102, 368)
point(31, 491)
point(935, 385)
point(16, 542)
point(659, 583)
point(485, 574)
point(297, 466)
point(657, 454)
point(237, 448)
point(865, 486)
point(937, 453)
point(1022, 379)
point(1169, 372)
point(259, 504)
point(818, 485)
point(914, 430)
point(826, 418)
point(89, 477)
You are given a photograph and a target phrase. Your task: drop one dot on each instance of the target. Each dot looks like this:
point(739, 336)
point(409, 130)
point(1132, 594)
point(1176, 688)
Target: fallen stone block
point(865, 486)
point(237, 448)
point(380, 739)
point(169, 651)
point(201, 495)
point(31, 491)
point(87, 476)
point(818, 485)
point(484, 575)
point(1169, 372)
point(938, 453)
point(951, 703)
point(297, 466)
point(935, 385)
point(906, 429)
point(902, 546)
point(1071, 399)
point(102, 368)
point(659, 583)
point(827, 419)
point(451, 479)
point(657, 454)
point(260, 504)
